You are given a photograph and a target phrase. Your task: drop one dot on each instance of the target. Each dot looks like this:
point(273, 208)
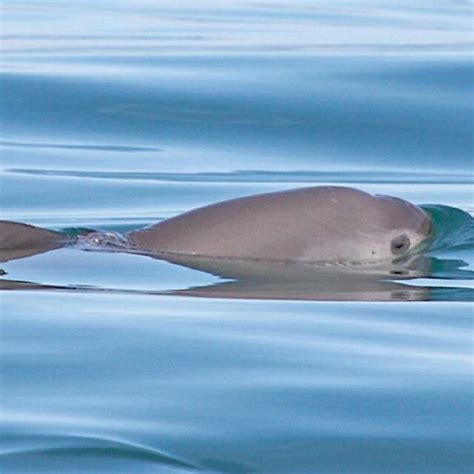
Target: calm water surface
point(115, 115)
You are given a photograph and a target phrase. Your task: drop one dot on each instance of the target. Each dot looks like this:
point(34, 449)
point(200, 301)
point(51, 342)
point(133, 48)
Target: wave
point(254, 176)
point(453, 228)
point(45, 449)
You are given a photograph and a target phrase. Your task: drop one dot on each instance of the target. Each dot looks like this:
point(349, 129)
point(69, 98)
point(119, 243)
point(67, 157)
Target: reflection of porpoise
point(327, 225)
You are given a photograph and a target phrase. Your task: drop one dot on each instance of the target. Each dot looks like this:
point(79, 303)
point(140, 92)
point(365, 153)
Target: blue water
point(115, 115)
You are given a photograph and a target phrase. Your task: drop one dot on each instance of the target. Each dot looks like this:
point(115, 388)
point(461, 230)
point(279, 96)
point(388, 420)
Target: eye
point(400, 244)
point(398, 272)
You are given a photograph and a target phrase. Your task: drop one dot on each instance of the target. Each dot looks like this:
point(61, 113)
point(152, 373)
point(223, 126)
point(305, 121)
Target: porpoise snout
point(412, 223)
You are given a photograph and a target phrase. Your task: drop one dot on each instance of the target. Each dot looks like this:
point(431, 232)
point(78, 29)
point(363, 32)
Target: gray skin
point(296, 244)
point(326, 225)
point(323, 225)
point(22, 240)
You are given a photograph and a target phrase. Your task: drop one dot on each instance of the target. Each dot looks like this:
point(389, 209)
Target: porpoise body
point(19, 240)
point(325, 225)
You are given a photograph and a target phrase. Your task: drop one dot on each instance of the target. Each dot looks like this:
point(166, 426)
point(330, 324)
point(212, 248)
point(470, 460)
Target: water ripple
point(67, 146)
point(259, 176)
point(25, 449)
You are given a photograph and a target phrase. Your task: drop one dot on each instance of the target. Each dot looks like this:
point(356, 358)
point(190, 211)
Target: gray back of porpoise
point(317, 224)
point(19, 240)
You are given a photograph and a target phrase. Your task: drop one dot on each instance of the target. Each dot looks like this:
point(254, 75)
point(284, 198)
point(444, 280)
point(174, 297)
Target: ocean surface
point(115, 115)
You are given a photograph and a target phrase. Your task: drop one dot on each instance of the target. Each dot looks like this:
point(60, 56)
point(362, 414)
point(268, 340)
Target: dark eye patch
point(400, 244)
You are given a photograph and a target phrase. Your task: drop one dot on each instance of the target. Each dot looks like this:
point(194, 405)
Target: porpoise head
point(403, 229)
